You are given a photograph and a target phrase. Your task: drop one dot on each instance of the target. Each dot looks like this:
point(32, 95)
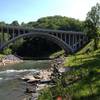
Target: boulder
point(10, 59)
point(30, 79)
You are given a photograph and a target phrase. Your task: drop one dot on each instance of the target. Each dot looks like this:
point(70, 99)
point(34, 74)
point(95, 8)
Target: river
point(11, 87)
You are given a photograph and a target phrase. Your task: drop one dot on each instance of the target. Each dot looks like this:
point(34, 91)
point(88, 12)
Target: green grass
point(2, 55)
point(57, 54)
point(89, 66)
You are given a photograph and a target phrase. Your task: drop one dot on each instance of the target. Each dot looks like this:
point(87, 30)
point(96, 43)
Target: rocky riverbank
point(10, 59)
point(42, 79)
point(35, 83)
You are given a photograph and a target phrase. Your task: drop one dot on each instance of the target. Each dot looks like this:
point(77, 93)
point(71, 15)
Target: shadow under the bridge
point(35, 48)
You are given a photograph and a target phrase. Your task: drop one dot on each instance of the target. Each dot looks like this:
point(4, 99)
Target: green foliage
point(57, 54)
point(89, 64)
point(82, 82)
point(57, 22)
point(2, 23)
point(16, 44)
point(7, 51)
point(15, 23)
point(45, 95)
point(92, 24)
point(1, 56)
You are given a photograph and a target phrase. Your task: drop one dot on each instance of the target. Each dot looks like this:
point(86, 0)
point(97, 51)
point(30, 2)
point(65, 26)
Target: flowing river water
point(11, 87)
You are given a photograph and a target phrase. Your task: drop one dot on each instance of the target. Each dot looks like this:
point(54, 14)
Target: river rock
point(30, 78)
point(45, 74)
point(10, 59)
point(31, 88)
point(64, 69)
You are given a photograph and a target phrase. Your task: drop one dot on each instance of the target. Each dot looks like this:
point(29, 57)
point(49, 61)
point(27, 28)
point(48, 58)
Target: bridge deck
point(7, 28)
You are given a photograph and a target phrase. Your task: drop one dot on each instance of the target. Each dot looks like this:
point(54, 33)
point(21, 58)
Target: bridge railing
point(39, 29)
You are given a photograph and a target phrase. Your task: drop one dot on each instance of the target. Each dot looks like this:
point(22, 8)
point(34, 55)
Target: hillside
point(89, 65)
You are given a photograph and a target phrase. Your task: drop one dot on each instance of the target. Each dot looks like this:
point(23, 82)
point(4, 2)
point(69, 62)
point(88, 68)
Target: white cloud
point(80, 8)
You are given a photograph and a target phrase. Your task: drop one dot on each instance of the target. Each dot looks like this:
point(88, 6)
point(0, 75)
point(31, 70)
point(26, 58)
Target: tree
point(2, 23)
point(92, 24)
point(58, 23)
point(15, 23)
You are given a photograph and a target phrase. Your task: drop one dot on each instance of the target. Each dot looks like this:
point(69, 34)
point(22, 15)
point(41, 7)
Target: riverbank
point(43, 79)
point(13, 59)
point(9, 59)
point(10, 82)
point(82, 82)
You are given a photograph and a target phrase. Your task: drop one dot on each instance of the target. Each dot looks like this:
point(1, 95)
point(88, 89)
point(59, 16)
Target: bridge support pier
point(75, 42)
point(1, 37)
point(65, 39)
point(13, 34)
point(69, 39)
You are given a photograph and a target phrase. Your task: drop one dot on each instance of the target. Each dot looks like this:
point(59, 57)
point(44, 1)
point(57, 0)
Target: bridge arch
point(47, 36)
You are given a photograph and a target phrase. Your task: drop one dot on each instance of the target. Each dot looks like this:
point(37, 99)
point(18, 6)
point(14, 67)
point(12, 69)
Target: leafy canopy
point(92, 23)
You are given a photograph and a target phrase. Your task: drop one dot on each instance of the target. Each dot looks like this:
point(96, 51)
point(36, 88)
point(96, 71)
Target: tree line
point(52, 22)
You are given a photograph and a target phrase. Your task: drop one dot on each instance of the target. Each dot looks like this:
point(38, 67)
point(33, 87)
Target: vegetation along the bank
point(82, 81)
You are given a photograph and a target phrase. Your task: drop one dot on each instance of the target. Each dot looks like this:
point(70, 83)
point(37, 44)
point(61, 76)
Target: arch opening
point(37, 48)
point(46, 36)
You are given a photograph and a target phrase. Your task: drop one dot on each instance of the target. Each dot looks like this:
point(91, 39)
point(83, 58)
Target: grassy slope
point(57, 54)
point(88, 88)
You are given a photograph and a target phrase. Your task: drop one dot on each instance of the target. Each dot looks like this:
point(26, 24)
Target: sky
point(32, 10)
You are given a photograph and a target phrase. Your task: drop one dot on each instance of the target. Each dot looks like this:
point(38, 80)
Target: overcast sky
point(31, 10)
